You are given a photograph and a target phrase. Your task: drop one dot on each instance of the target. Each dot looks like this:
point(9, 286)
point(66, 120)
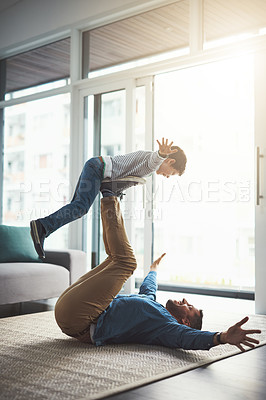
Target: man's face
point(166, 169)
point(182, 311)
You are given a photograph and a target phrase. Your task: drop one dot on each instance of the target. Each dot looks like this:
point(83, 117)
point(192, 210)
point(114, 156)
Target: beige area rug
point(38, 362)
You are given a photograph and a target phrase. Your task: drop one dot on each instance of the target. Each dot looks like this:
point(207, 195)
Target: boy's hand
point(165, 148)
point(155, 263)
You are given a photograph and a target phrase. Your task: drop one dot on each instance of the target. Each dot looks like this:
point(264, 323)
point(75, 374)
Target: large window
point(37, 70)
point(204, 220)
point(36, 135)
point(36, 162)
point(206, 217)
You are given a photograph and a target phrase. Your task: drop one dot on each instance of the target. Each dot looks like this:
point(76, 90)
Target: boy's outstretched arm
point(165, 148)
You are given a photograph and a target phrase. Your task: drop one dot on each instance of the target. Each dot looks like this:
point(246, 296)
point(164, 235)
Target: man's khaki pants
point(82, 303)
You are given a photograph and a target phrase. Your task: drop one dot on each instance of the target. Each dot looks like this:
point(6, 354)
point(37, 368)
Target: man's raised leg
point(92, 294)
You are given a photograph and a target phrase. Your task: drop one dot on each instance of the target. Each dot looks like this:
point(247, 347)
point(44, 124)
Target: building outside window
point(36, 137)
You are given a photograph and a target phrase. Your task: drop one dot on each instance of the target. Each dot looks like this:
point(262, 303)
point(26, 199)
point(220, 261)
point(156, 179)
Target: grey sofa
point(29, 281)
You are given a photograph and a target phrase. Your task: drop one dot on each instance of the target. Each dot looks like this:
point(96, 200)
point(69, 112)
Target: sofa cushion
point(16, 245)
point(29, 281)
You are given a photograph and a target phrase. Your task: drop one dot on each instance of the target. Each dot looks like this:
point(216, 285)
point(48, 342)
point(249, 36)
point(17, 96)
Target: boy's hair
point(180, 160)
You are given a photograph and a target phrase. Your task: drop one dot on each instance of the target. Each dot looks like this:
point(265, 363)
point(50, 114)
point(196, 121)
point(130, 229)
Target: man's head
point(185, 313)
point(174, 164)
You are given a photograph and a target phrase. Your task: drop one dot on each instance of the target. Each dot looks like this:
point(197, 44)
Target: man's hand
point(237, 336)
point(155, 264)
point(165, 148)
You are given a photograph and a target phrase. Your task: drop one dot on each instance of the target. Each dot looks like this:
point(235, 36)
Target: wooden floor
point(241, 377)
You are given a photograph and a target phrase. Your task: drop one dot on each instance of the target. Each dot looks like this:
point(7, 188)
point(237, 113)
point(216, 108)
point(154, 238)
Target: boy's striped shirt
point(139, 163)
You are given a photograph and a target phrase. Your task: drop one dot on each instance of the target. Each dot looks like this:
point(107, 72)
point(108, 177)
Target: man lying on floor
point(91, 311)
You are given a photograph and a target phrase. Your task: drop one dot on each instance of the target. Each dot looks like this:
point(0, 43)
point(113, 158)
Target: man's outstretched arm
point(149, 285)
point(182, 336)
point(237, 336)
point(156, 263)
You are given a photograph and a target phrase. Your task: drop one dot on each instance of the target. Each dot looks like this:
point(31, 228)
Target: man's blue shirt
point(139, 318)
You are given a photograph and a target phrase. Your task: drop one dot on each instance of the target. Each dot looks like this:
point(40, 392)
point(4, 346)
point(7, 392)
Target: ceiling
point(5, 4)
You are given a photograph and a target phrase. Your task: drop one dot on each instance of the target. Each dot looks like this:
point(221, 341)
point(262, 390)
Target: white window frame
point(260, 182)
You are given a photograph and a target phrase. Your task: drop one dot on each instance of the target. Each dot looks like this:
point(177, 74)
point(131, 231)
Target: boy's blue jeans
point(87, 188)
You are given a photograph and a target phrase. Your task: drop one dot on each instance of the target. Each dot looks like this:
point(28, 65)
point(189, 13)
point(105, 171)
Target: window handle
point(259, 156)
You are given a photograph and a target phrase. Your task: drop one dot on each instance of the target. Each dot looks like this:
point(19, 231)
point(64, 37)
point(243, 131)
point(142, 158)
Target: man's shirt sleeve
point(184, 337)
point(149, 285)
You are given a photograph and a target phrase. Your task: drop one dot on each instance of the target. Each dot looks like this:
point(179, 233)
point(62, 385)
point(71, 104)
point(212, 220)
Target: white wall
point(30, 20)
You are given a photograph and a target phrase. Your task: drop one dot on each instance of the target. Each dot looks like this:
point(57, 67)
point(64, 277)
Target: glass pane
point(89, 140)
point(38, 66)
point(140, 119)
point(113, 133)
point(138, 213)
point(227, 18)
point(36, 162)
point(160, 30)
point(111, 141)
point(206, 223)
point(113, 123)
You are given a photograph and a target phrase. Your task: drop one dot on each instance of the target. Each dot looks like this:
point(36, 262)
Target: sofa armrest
point(75, 261)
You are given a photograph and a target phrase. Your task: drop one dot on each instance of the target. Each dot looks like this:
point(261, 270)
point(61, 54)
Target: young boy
point(111, 176)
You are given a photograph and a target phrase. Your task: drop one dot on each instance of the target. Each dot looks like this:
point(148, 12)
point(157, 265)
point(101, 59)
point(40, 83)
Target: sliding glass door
point(206, 221)
point(114, 123)
point(105, 133)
